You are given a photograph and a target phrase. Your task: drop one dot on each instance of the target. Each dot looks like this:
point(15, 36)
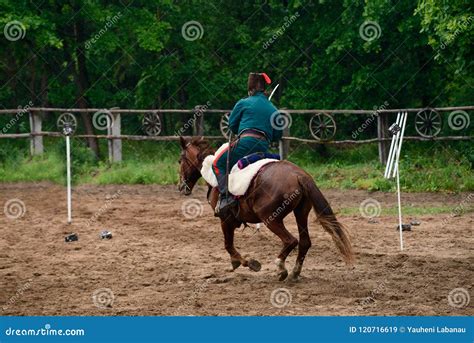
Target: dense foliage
point(337, 54)
point(132, 53)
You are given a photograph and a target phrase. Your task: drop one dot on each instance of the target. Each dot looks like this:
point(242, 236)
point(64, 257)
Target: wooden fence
point(325, 117)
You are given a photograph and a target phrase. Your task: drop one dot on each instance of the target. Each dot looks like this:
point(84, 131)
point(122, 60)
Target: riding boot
point(226, 201)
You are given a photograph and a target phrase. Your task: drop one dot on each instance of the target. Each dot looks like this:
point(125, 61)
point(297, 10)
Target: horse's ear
point(182, 142)
point(202, 138)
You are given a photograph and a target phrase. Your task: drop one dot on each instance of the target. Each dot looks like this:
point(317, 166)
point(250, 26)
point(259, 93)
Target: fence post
point(198, 127)
point(115, 145)
point(284, 145)
point(36, 145)
point(382, 132)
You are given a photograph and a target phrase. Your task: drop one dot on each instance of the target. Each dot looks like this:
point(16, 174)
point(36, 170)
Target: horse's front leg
point(235, 258)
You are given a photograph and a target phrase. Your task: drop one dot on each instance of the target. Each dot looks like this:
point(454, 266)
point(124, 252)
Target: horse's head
point(193, 152)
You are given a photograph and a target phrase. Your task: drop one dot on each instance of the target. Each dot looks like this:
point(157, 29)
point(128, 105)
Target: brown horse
point(278, 189)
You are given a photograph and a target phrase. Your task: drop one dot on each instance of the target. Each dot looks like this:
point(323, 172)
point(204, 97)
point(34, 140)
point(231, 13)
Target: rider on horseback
point(251, 120)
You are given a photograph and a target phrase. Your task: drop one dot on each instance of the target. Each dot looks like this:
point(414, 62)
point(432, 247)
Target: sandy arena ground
point(161, 263)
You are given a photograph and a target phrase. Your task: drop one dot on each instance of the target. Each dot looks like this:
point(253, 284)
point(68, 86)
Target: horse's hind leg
point(289, 243)
point(301, 214)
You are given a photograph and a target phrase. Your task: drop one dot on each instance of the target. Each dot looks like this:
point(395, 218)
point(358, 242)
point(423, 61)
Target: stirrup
point(223, 212)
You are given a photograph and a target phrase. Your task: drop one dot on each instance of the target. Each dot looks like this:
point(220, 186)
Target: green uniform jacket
point(255, 112)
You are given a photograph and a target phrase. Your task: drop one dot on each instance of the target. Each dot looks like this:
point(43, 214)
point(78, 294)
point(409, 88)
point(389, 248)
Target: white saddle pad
point(239, 179)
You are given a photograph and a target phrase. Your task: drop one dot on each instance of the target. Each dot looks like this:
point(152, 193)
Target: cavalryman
point(251, 120)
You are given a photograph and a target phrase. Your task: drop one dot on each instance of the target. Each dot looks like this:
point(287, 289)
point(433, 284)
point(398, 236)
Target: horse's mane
point(203, 145)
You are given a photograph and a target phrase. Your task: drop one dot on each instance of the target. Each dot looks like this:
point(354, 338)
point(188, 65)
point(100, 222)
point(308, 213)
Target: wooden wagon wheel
point(224, 125)
point(322, 126)
point(67, 121)
point(428, 123)
point(151, 124)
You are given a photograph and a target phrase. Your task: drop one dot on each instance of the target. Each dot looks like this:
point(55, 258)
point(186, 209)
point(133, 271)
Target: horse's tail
point(327, 219)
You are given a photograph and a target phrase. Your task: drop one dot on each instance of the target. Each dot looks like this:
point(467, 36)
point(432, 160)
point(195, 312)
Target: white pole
point(399, 210)
point(68, 167)
point(404, 121)
point(392, 150)
point(392, 163)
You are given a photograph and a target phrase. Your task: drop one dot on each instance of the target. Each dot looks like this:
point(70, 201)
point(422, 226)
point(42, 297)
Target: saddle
point(239, 178)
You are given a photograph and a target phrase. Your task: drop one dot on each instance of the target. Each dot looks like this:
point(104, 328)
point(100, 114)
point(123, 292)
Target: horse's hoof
point(283, 275)
point(293, 278)
point(235, 264)
point(254, 265)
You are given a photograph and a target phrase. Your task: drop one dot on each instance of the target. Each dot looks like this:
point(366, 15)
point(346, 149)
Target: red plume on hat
point(267, 78)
